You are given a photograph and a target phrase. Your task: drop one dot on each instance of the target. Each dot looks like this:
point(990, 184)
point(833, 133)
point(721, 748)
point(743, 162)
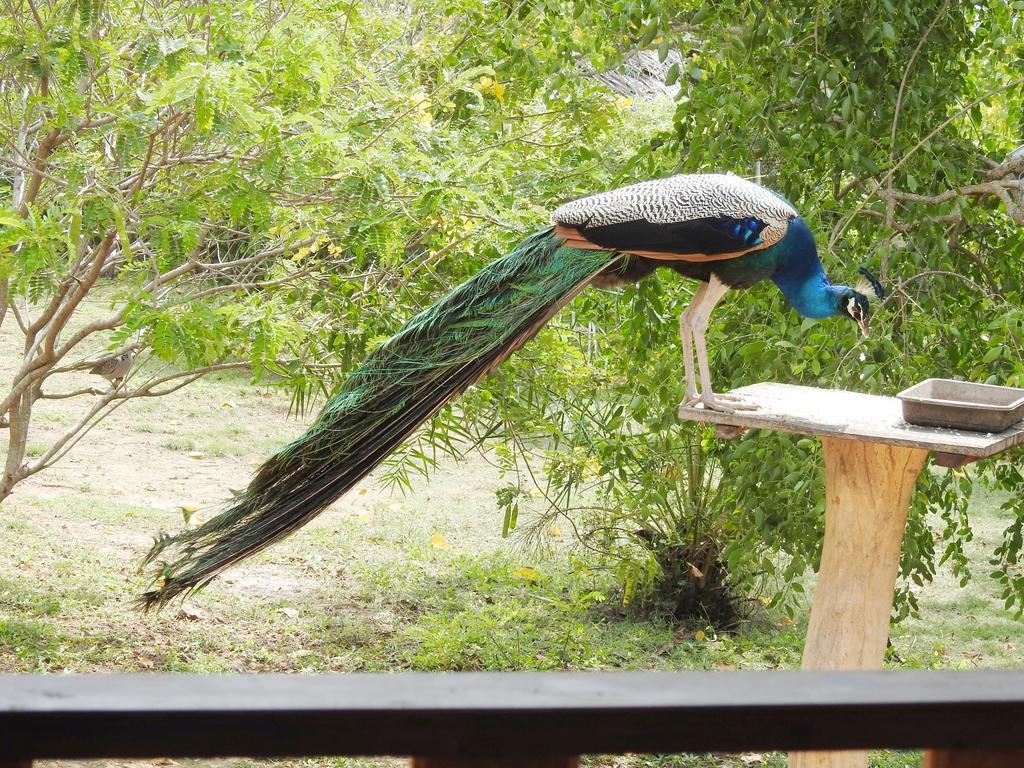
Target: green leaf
point(649, 33)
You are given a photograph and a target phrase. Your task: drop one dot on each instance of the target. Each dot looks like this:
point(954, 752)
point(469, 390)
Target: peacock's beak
point(864, 326)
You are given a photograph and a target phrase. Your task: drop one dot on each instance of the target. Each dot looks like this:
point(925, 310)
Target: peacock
point(720, 229)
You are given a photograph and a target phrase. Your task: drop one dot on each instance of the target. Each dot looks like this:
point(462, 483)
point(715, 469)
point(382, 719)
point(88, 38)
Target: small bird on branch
point(115, 367)
point(718, 229)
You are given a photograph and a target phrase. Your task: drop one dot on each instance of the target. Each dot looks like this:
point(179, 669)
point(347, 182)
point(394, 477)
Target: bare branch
point(56, 325)
point(997, 188)
point(70, 437)
point(89, 329)
point(17, 314)
point(34, 171)
point(944, 273)
point(890, 207)
point(73, 393)
point(250, 286)
point(46, 146)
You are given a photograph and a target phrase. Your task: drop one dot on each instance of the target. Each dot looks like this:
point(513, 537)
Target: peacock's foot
point(725, 403)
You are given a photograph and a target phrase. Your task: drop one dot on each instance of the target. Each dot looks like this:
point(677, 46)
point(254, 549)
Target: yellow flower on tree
point(491, 87)
point(422, 109)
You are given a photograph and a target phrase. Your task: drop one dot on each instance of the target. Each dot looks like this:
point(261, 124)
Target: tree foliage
point(895, 135)
point(890, 124)
point(277, 186)
point(267, 186)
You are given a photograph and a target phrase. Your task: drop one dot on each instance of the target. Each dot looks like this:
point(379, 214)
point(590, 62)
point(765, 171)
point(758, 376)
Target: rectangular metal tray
point(962, 405)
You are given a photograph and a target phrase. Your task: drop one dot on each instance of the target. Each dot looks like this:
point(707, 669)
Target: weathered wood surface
point(504, 715)
point(868, 490)
point(849, 415)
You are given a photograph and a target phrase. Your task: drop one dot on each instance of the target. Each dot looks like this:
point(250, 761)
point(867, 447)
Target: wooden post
point(868, 488)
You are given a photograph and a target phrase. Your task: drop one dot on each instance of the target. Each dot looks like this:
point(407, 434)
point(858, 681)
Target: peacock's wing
point(700, 217)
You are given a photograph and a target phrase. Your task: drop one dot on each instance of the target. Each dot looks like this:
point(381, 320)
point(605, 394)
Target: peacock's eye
point(853, 308)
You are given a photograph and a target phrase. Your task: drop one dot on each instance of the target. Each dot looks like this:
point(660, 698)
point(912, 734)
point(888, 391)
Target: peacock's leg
point(686, 336)
point(698, 323)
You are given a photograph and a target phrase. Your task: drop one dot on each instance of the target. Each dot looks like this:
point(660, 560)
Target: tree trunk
point(19, 417)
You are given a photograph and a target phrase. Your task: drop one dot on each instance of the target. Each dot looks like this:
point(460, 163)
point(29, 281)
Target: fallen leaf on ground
point(554, 530)
point(188, 613)
point(197, 455)
point(752, 758)
point(527, 573)
point(440, 542)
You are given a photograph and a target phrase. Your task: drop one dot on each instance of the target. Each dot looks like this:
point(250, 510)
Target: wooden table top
point(850, 415)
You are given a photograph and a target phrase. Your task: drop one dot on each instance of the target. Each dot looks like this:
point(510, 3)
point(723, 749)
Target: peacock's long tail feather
point(408, 379)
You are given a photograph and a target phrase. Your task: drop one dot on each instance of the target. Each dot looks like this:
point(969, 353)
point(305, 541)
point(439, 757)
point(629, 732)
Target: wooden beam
point(495, 762)
point(473, 715)
point(952, 460)
point(727, 432)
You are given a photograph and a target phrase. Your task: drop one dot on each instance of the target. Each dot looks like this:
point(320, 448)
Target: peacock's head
point(853, 302)
point(854, 305)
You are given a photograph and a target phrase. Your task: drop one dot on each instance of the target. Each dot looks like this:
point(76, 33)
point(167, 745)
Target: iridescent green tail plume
point(408, 379)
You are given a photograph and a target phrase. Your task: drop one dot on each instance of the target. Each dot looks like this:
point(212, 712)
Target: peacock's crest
point(869, 284)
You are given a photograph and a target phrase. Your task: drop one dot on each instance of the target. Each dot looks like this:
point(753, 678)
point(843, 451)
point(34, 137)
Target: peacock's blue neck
point(800, 276)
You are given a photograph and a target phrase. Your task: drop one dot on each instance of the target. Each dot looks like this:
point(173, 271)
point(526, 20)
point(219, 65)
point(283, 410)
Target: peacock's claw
point(725, 403)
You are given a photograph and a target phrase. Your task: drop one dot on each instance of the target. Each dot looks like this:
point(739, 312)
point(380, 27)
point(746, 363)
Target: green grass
point(367, 586)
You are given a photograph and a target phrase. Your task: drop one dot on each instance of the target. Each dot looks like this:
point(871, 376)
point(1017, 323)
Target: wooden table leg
point(868, 488)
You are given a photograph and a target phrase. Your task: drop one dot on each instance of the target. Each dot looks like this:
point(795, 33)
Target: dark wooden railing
point(516, 719)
